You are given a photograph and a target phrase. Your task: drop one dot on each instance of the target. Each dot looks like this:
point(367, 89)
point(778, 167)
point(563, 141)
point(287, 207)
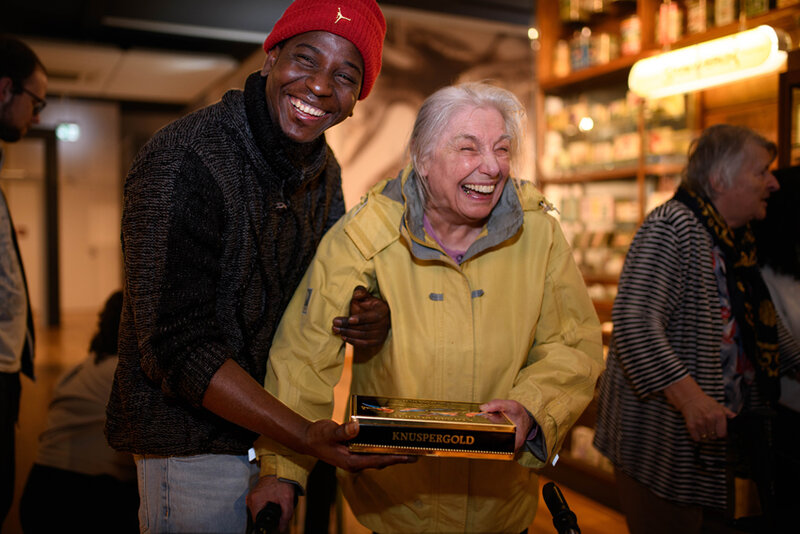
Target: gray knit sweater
point(222, 215)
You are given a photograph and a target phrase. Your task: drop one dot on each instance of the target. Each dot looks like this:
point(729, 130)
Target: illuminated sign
point(724, 60)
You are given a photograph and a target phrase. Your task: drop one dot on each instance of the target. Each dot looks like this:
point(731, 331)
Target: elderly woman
point(696, 350)
point(487, 306)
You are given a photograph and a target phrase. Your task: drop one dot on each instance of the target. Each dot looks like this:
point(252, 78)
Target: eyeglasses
point(38, 103)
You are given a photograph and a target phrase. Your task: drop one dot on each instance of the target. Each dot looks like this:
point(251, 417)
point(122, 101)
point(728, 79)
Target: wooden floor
point(60, 348)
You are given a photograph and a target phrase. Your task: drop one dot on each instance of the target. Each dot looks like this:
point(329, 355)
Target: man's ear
point(269, 61)
point(6, 89)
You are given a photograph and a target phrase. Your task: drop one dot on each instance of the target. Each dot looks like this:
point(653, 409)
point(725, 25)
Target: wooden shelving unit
point(620, 173)
point(741, 105)
point(552, 29)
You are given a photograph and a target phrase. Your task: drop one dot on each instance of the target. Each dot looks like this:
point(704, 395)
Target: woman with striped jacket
point(697, 348)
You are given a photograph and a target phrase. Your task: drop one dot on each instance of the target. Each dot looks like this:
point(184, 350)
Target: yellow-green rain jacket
point(512, 321)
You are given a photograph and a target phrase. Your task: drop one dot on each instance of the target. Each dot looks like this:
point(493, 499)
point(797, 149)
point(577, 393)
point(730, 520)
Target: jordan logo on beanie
point(339, 17)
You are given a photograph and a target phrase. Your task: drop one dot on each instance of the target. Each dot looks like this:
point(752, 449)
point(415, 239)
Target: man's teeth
point(484, 189)
point(305, 108)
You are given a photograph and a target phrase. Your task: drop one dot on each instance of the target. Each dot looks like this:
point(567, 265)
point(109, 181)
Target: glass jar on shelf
point(604, 48)
point(753, 8)
point(572, 11)
point(594, 7)
point(561, 59)
point(580, 49)
point(669, 22)
point(725, 12)
point(630, 29)
point(699, 16)
point(667, 136)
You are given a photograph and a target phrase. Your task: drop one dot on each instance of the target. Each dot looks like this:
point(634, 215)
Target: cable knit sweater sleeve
point(172, 236)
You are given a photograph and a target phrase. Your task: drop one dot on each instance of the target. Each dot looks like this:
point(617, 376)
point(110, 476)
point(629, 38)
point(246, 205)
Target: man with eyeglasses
point(23, 86)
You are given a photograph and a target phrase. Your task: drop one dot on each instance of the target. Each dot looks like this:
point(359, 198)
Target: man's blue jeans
point(203, 493)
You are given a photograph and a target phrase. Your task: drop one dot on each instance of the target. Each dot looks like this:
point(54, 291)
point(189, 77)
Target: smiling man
point(223, 211)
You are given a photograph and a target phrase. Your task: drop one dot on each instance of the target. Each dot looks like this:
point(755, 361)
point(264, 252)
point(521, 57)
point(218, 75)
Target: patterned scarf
point(755, 314)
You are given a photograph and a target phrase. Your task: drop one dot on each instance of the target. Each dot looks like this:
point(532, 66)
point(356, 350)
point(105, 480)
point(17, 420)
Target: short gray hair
point(720, 148)
point(439, 108)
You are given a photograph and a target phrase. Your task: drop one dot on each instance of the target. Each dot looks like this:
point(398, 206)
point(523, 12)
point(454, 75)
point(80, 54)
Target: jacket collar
point(504, 222)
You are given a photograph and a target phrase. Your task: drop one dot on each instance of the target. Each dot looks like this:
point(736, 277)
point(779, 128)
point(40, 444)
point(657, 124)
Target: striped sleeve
point(651, 290)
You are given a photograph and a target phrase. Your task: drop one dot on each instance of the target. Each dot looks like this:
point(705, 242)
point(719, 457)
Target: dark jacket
point(222, 215)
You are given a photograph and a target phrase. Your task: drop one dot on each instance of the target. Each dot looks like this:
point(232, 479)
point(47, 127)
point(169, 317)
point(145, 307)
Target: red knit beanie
point(359, 21)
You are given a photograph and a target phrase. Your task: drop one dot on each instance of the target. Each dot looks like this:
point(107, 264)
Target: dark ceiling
point(215, 26)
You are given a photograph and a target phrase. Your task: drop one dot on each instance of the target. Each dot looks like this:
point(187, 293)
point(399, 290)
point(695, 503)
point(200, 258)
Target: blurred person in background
point(78, 482)
point(23, 88)
point(696, 352)
point(778, 242)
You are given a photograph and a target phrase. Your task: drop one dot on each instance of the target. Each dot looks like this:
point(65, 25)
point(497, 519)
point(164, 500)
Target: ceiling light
point(68, 131)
